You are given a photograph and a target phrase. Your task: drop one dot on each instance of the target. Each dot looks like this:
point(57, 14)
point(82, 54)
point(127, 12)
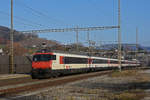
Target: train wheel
point(54, 75)
point(33, 77)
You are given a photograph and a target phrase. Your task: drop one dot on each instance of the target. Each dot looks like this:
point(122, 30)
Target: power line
point(94, 5)
point(113, 11)
point(39, 13)
point(21, 20)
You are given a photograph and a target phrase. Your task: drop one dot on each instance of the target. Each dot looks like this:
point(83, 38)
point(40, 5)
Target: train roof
point(74, 55)
point(79, 54)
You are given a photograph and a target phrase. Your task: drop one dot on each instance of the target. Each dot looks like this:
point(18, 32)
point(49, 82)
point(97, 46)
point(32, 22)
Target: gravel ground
point(99, 88)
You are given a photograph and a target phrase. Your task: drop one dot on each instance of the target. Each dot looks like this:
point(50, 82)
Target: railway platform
point(13, 76)
point(12, 79)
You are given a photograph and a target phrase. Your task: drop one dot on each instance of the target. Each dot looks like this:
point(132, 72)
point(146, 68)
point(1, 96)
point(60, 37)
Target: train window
point(44, 57)
point(99, 61)
point(123, 62)
point(53, 57)
point(113, 62)
point(75, 60)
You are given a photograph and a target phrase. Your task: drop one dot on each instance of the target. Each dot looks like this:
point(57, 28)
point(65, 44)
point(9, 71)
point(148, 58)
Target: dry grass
point(133, 95)
point(77, 92)
point(126, 95)
point(136, 75)
point(143, 78)
point(126, 73)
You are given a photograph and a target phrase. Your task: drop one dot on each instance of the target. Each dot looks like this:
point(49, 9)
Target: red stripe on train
point(89, 61)
point(61, 60)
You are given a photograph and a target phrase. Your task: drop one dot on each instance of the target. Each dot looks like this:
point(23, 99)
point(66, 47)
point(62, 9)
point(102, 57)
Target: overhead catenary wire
point(113, 12)
point(40, 14)
point(96, 8)
point(23, 24)
point(24, 21)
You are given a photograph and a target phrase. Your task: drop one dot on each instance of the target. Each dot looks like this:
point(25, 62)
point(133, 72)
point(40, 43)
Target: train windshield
point(44, 57)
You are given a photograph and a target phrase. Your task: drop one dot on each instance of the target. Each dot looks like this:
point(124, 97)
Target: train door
point(90, 63)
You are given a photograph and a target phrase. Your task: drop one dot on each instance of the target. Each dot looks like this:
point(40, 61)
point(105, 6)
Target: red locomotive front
point(42, 64)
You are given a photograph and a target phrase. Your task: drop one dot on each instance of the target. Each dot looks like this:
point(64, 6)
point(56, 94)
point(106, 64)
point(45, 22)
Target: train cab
point(42, 64)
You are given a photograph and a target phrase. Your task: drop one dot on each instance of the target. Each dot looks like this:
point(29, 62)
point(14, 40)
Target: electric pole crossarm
point(70, 29)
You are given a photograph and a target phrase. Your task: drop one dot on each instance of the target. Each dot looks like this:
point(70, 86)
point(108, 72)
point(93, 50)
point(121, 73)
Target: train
point(53, 64)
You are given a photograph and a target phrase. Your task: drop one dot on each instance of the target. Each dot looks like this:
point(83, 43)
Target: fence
point(22, 64)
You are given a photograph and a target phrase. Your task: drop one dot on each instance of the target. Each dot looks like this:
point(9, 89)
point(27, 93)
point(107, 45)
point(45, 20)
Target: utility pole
point(119, 37)
point(77, 39)
point(88, 37)
point(88, 40)
point(11, 67)
point(136, 42)
point(89, 45)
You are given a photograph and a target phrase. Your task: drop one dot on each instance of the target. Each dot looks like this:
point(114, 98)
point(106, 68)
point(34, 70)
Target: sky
point(49, 14)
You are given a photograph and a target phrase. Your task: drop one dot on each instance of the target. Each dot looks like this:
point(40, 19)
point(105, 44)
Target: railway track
point(13, 90)
point(14, 81)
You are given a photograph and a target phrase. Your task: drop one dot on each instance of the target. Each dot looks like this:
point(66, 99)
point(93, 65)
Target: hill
point(5, 34)
point(130, 47)
point(31, 42)
point(24, 43)
point(27, 40)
